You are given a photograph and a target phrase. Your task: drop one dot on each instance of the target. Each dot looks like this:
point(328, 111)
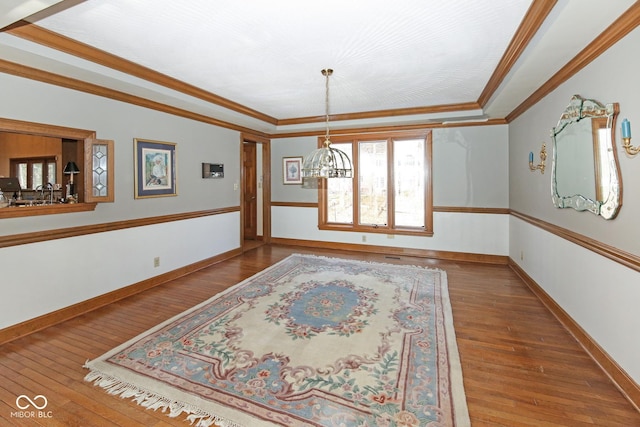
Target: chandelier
point(326, 161)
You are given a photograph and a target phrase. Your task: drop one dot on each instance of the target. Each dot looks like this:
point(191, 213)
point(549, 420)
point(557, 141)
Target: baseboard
point(41, 322)
point(390, 250)
point(627, 386)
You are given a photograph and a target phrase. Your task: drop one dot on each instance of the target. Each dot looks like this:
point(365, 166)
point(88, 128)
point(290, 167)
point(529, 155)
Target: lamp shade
point(327, 162)
point(71, 168)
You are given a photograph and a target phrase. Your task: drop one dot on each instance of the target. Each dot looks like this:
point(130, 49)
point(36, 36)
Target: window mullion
point(355, 152)
point(428, 183)
point(391, 220)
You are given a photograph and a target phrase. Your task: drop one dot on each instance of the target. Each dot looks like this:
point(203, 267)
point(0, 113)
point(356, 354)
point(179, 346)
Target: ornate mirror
point(585, 172)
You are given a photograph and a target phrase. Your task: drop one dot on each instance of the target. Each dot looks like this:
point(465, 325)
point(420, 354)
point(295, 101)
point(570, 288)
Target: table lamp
point(71, 169)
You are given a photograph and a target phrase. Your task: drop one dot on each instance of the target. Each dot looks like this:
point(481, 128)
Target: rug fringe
point(149, 400)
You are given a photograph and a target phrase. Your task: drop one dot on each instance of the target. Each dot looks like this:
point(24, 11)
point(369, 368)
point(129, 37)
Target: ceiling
point(257, 64)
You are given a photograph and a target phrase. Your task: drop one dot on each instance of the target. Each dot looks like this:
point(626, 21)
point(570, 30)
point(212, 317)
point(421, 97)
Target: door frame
point(265, 143)
point(252, 191)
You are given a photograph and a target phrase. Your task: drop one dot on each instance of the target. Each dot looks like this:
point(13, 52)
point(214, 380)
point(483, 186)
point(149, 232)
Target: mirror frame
point(580, 108)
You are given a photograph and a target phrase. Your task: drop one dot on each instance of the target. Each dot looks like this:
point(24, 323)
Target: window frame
point(30, 161)
point(389, 228)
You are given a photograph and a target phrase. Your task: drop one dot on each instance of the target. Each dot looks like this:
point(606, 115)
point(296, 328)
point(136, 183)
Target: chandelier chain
point(326, 161)
point(327, 72)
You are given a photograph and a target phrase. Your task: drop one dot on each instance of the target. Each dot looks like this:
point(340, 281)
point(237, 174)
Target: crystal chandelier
point(327, 162)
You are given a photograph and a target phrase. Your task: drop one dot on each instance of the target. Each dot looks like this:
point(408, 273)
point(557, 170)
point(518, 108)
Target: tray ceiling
point(267, 56)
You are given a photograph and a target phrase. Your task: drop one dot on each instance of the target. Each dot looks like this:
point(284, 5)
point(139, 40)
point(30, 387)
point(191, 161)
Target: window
point(34, 173)
point(391, 189)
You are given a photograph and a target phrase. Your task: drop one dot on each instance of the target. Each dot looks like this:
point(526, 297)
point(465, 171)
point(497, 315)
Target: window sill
point(22, 211)
point(379, 230)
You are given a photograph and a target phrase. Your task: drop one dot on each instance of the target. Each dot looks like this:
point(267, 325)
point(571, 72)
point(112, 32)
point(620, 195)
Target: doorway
point(255, 193)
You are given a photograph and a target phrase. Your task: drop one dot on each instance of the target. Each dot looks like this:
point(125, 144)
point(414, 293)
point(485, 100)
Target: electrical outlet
point(364, 238)
point(235, 186)
point(391, 236)
point(156, 261)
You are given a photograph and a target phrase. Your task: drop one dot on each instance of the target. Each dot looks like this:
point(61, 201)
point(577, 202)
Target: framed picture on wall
point(155, 168)
point(292, 170)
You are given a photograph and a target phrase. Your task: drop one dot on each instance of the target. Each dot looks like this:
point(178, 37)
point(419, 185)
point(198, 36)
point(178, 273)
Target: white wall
point(455, 232)
point(600, 294)
point(38, 278)
point(43, 277)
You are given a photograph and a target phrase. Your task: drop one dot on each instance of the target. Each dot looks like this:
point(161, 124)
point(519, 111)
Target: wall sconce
point(543, 159)
point(626, 139)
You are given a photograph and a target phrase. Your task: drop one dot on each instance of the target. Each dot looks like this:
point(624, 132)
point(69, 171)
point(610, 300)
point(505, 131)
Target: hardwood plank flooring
point(520, 366)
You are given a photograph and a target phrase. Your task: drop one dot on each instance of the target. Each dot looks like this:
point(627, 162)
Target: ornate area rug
point(310, 341)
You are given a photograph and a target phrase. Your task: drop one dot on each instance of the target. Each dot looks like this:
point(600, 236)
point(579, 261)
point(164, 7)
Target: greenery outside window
point(391, 191)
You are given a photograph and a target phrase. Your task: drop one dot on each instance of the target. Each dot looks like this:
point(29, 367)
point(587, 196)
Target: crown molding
point(59, 42)
point(445, 108)
point(536, 15)
point(82, 86)
point(622, 26)
point(534, 18)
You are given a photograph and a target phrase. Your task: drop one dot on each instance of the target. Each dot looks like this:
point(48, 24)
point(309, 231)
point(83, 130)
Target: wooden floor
point(521, 368)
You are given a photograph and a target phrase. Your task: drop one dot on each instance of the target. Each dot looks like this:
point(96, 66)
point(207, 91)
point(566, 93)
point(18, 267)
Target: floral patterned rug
point(310, 341)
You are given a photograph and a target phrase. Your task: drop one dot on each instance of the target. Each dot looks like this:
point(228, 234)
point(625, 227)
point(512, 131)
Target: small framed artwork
point(292, 170)
point(155, 168)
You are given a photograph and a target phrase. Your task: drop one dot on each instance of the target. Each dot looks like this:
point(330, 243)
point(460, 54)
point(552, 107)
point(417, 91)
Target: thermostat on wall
point(212, 170)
